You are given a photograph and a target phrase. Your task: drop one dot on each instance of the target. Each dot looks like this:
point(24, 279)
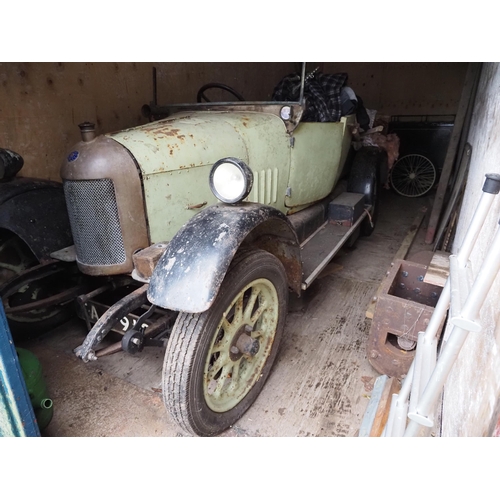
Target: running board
point(319, 249)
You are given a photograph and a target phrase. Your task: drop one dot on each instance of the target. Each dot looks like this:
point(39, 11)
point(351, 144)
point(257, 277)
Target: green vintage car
point(216, 212)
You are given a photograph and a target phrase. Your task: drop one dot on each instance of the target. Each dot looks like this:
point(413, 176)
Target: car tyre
point(216, 362)
point(364, 178)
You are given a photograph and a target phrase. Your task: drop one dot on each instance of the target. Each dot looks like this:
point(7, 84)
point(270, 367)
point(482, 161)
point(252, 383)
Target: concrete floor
point(320, 384)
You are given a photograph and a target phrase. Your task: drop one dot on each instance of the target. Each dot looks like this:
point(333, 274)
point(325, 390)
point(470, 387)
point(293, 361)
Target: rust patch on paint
point(172, 132)
point(194, 207)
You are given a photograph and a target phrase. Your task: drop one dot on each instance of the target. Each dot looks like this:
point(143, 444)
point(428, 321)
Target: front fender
point(189, 274)
point(36, 212)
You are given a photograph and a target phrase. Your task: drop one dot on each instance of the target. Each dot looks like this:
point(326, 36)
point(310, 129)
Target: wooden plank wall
point(41, 104)
point(405, 88)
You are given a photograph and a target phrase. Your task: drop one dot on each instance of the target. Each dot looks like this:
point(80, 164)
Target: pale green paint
point(317, 160)
point(350, 123)
point(168, 196)
point(266, 184)
point(201, 138)
point(175, 156)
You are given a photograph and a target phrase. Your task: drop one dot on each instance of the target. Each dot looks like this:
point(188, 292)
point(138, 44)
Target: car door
point(317, 157)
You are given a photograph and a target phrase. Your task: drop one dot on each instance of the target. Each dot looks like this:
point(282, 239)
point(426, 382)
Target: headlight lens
point(231, 180)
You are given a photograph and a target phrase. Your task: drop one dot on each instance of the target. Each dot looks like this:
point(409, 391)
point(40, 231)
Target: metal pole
point(396, 422)
point(425, 360)
point(484, 205)
point(302, 82)
point(462, 325)
point(416, 379)
point(478, 219)
point(491, 188)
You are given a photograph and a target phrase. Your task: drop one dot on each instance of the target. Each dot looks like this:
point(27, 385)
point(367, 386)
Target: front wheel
point(217, 362)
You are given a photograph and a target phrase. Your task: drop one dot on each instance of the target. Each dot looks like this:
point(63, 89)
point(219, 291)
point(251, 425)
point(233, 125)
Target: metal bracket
point(108, 319)
point(32, 275)
point(135, 340)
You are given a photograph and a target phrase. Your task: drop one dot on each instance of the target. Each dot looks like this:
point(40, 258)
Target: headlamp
point(231, 180)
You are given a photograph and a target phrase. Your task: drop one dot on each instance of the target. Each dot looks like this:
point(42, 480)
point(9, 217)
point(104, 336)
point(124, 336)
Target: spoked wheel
point(217, 362)
point(15, 258)
point(413, 175)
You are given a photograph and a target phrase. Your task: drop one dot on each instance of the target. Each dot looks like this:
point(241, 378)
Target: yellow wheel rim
point(241, 345)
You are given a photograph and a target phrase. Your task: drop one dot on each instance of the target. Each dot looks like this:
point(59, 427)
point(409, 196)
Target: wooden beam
point(439, 269)
point(377, 412)
point(371, 410)
point(392, 386)
point(458, 187)
point(473, 73)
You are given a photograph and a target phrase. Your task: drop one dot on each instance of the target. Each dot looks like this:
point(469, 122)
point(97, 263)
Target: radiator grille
point(95, 224)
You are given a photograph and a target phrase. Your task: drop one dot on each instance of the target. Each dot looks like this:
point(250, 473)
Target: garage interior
point(322, 381)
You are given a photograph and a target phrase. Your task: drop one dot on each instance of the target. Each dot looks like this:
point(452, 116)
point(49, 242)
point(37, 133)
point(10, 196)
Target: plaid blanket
point(321, 95)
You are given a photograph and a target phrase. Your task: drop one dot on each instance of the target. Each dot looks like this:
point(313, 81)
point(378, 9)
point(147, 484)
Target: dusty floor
point(320, 384)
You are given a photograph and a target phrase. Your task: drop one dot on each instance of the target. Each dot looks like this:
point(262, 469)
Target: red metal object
point(404, 308)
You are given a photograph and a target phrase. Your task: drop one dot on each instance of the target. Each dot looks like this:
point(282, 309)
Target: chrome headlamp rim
point(247, 179)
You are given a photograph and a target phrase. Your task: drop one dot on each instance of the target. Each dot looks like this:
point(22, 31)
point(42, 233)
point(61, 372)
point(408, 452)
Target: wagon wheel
point(217, 362)
point(413, 175)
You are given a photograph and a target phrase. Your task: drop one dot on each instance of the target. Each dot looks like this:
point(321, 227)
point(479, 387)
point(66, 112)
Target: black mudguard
point(366, 171)
point(189, 274)
point(35, 210)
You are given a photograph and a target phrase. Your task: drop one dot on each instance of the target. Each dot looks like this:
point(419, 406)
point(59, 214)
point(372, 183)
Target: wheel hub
point(243, 344)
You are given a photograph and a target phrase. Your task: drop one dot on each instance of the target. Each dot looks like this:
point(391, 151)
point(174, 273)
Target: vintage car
point(33, 223)
point(211, 214)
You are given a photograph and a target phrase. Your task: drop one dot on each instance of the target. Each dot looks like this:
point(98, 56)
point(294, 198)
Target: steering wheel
point(201, 95)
